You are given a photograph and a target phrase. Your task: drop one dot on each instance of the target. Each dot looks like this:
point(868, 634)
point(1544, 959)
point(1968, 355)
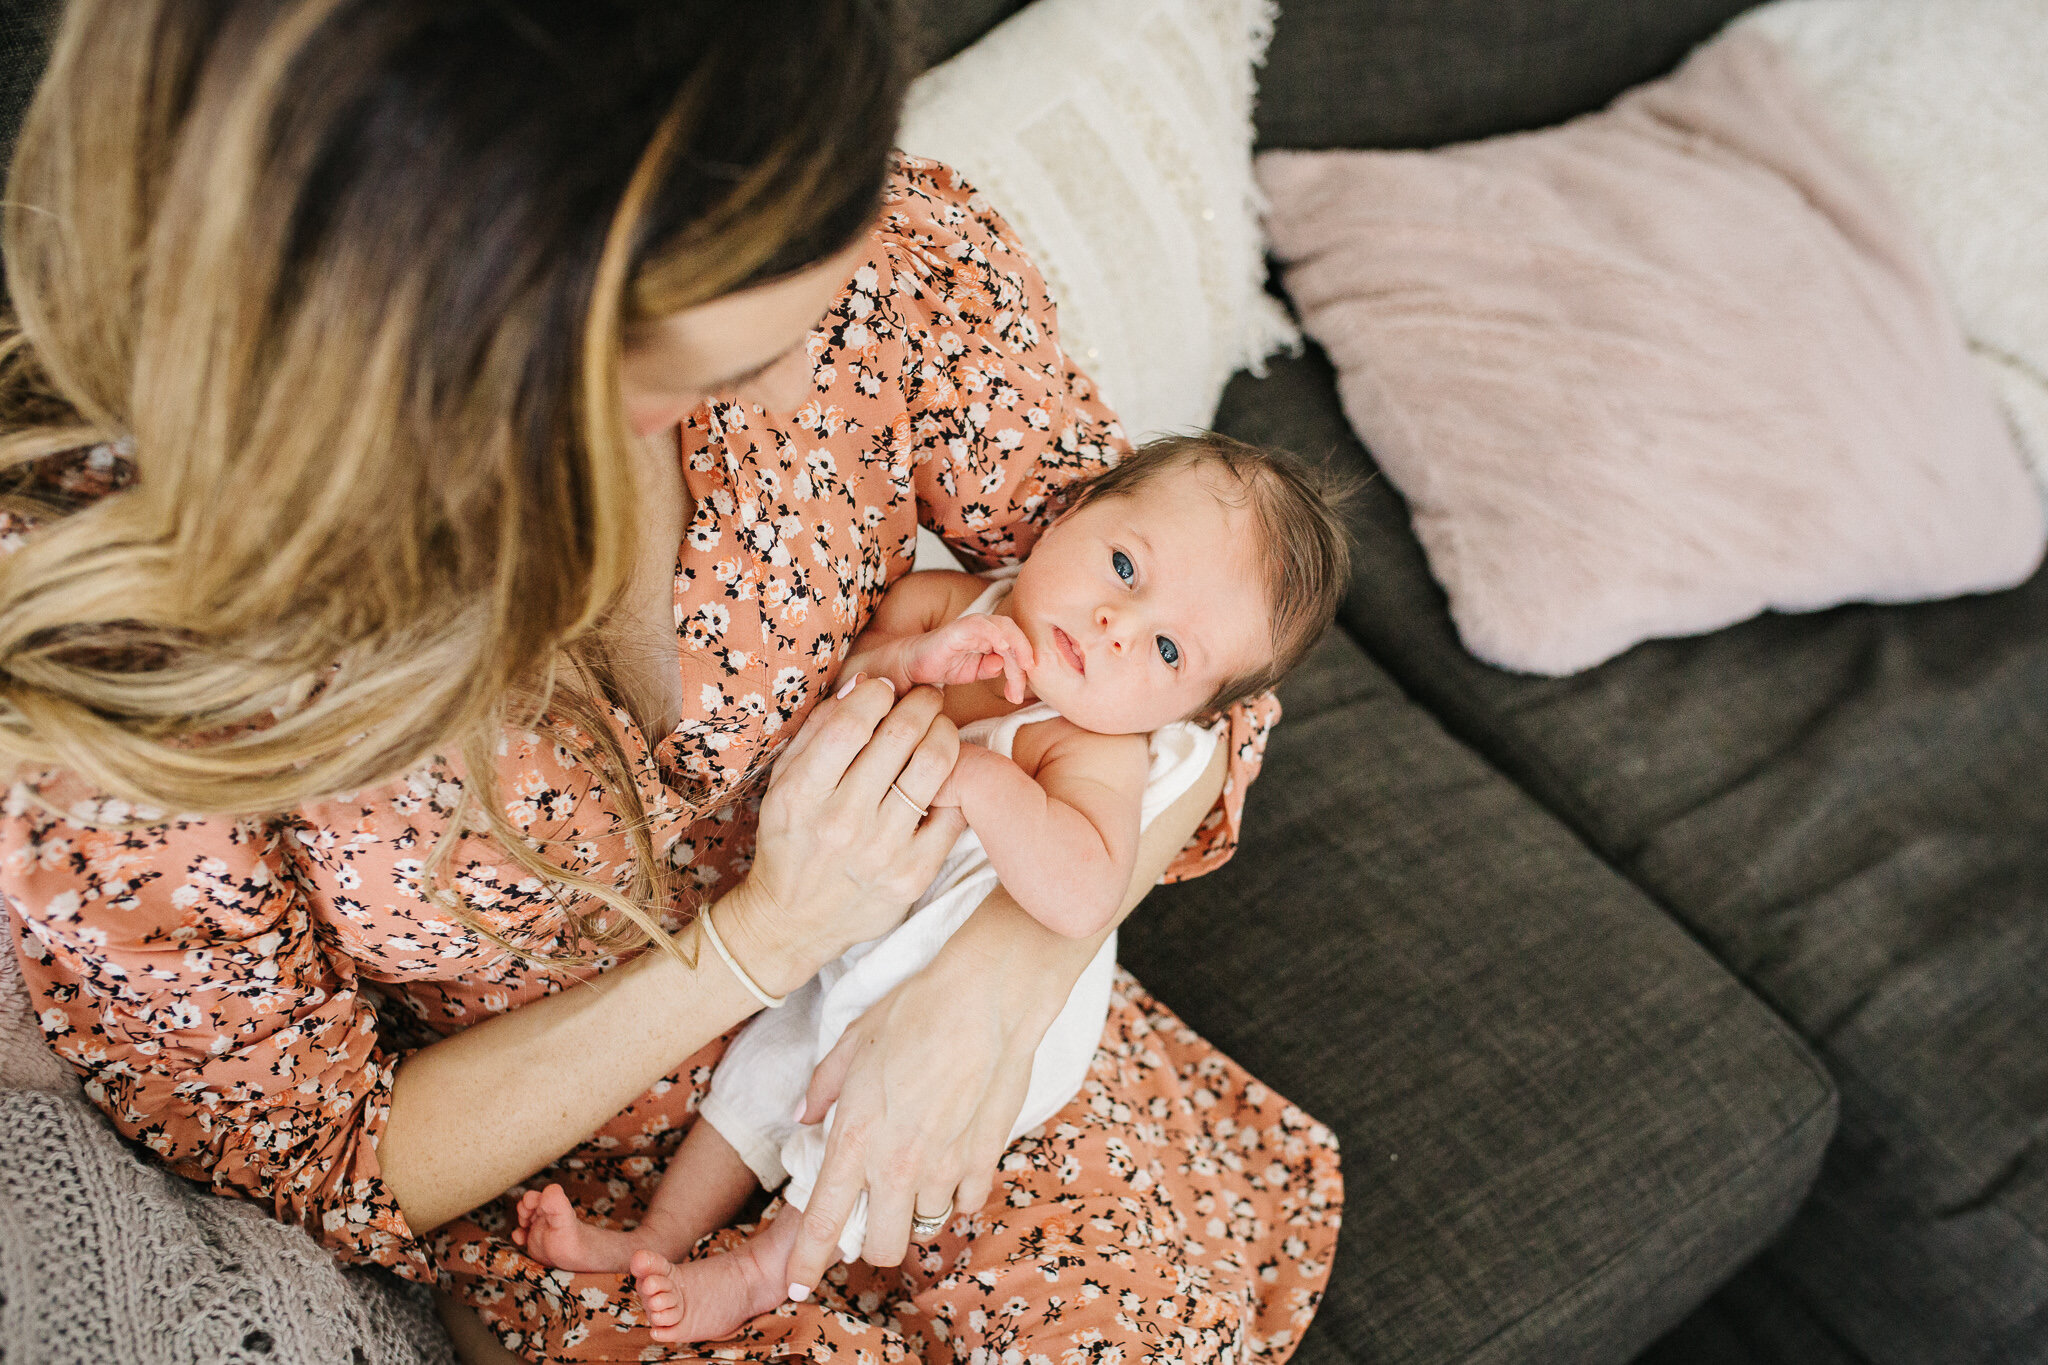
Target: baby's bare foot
point(711, 1298)
point(552, 1234)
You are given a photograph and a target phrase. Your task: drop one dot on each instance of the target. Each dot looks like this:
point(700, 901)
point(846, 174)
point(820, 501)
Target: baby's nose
point(1114, 628)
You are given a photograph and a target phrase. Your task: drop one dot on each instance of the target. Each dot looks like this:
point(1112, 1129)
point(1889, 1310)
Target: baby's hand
point(969, 649)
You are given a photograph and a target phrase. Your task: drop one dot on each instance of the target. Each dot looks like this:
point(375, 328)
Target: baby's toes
point(554, 1206)
point(655, 1285)
point(663, 1307)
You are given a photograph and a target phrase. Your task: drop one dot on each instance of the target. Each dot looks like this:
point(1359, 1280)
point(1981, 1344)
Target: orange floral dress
point(237, 993)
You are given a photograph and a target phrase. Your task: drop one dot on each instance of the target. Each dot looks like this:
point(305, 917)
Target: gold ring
point(914, 806)
point(921, 1226)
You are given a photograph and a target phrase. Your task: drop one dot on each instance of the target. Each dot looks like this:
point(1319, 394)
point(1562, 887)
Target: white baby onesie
point(758, 1090)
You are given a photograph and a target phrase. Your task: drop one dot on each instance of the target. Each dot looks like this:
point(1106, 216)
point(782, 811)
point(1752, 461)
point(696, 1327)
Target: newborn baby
point(1193, 574)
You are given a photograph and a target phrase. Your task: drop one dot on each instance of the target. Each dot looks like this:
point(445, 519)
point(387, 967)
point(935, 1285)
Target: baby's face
point(1138, 608)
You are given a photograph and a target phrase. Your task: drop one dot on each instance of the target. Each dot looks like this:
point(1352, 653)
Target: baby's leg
point(705, 1186)
point(713, 1296)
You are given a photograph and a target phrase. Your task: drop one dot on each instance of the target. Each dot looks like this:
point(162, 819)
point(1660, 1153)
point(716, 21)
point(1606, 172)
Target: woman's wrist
point(707, 931)
point(766, 957)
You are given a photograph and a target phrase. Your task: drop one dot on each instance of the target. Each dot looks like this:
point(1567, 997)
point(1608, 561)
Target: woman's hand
point(841, 851)
point(928, 1083)
point(931, 1078)
point(841, 857)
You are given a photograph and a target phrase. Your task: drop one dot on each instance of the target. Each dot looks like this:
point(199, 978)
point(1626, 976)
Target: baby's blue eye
point(1169, 651)
point(1121, 562)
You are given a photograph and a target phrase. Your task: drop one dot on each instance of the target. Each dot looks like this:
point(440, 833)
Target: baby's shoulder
point(1119, 760)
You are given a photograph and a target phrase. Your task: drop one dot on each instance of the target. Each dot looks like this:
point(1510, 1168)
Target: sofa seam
point(1824, 1110)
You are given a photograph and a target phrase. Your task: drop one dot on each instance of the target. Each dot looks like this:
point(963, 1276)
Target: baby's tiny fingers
point(1015, 641)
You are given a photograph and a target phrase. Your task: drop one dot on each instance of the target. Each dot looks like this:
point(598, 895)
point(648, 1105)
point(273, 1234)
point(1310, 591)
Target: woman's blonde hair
point(345, 285)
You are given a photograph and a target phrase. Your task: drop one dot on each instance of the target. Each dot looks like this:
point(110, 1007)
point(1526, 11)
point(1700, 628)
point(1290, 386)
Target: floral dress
point(237, 993)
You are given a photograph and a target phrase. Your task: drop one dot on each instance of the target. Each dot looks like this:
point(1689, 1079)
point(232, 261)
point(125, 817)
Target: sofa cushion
point(1657, 369)
point(24, 43)
point(1849, 810)
point(1563, 1124)
point(1755, 1319)
point(1420, 73)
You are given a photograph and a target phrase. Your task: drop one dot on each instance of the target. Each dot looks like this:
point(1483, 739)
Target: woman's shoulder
point(959, 241)
point(920, 189)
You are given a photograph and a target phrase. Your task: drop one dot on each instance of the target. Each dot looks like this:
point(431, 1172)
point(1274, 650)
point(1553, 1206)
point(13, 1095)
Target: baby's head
point(1195, 573)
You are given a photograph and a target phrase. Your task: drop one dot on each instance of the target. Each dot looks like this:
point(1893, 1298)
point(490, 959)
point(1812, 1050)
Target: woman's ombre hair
point(347, 283)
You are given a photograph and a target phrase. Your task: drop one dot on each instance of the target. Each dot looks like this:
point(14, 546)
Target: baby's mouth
point(1068, 652)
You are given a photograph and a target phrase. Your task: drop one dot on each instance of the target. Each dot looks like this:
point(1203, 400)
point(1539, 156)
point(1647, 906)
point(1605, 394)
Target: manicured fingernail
point(851, 683)
point(889, 683)
point(797, 1293)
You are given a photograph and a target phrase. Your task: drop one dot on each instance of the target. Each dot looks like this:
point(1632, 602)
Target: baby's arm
point(917, 635)
point(1062, 835)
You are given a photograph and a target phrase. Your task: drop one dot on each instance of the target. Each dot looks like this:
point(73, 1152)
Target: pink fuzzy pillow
point(1656, 370)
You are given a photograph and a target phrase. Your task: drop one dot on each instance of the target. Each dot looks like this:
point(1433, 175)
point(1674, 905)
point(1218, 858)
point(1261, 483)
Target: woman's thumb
point(827, 1079)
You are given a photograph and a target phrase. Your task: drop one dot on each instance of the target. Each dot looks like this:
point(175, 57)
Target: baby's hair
point(1298, 509)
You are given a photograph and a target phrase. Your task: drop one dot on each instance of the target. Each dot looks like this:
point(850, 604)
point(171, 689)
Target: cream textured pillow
point(1655, 370)
point(1116, 138)
point(1947, 100)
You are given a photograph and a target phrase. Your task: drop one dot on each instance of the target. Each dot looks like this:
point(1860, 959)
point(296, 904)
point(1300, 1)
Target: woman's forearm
point(476, 1113)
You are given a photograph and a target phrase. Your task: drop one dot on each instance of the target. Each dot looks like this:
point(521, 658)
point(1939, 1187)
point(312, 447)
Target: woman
point(443, 551)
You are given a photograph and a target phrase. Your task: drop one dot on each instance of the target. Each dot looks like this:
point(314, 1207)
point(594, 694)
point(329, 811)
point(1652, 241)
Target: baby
point(1193, 574)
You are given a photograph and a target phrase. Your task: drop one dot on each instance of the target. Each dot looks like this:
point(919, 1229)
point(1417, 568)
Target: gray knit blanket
point(107, 1259)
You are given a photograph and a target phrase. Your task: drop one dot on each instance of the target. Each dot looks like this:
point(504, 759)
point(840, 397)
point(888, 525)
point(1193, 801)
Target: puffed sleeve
point(178, 968)
point(1002, 422)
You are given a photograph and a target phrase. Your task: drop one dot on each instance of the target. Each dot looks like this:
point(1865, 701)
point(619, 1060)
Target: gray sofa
point(1689, 1010)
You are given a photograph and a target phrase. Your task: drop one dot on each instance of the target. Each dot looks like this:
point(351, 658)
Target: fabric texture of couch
point(1597, 976)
